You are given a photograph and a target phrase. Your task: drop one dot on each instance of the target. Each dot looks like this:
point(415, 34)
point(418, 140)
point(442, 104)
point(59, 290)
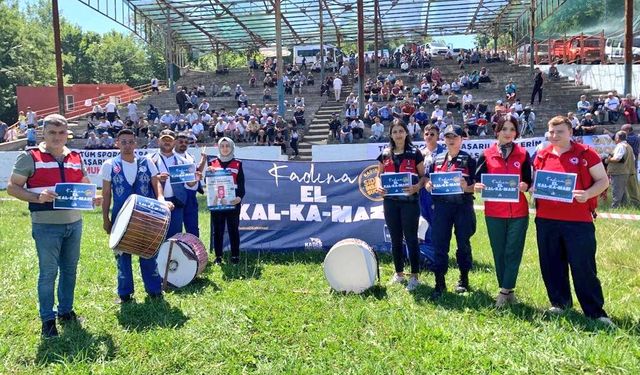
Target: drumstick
point(166, 268)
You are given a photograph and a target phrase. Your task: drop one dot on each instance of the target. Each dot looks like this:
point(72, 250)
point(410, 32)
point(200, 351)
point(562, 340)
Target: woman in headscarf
point(226, 161)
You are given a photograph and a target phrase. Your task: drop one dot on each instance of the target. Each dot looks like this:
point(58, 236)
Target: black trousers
point(570, 244)
point(536, 90)
point(230, 218)
point(401, 218)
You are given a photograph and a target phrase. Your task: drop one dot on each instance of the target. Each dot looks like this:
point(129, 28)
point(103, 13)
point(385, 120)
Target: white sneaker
point(413, 284)
point(396, 279)
point(555, 310)
point(606, 321)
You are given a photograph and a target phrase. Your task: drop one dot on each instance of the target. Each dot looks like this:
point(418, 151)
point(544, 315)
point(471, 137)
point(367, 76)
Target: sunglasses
point(431, 135)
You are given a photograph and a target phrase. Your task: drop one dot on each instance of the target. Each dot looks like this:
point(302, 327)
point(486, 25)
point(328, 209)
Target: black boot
point(441, 286)
point(463, 283)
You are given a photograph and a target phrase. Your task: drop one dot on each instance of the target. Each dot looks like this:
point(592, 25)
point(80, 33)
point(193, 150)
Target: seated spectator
point(391, 77)
point(310, 80)
point(198, 131)
point(253, 127)
point(166, 120)
point(371, 111)
point(261, 139)
point(298, 101)
point(612, 107)
point(517, 107)
point(266, 95)
point(242, 99)
point(510, 91)
point(408, 109)
point(482, 126)
point(422, 117)
point(415, 131)
point(106, 141)
point(453, 103)
point(181, 126)
point(629, 109)
point(298, 116)
point(351, 99)
point(469, 119)
point(448, 119)
point(346, 133)
point(243, 111)
point(446, 88)
point(385, 92)
point(334, 126)
point(456, 87)
point(225, 90)
point(396, 92)
point(357, 127)
point(351, 113)
point(583, 106)
point(587, 126)
point(474, 80)
point(467, 101)
point(252, 80)
point(386, 113)
point(152, 113)
point(553, 72)
point(377, 131)
point(574, 120)
point(279, 140)
point(500, 107)
point(437, 113)
point(484, 76)
point(404, 67)
point(219, 128)
point(434, 99)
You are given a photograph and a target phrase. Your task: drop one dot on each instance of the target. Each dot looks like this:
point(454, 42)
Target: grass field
point(274, 314)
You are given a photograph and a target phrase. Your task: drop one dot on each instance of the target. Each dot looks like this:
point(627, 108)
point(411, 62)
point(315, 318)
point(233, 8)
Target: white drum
point(351, 266)
point(188, 259)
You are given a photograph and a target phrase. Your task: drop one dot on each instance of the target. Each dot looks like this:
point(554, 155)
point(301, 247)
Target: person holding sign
point(504, 170)
point(191, 206)
point(453, 207)
point(565, 231)
point(57, 233)
point(229, 213)
point(401, 209)
point(171, 173)
point(122, 176)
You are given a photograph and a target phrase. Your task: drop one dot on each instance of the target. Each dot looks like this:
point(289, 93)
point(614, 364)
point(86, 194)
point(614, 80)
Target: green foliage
point(27, 54)
point(274, 314)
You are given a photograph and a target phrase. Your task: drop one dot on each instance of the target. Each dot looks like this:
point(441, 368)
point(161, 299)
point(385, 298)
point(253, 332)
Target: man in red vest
point(56, 233)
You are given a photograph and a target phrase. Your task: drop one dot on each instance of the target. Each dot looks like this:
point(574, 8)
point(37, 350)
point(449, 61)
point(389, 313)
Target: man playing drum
point(56, 233)
point(122, 176)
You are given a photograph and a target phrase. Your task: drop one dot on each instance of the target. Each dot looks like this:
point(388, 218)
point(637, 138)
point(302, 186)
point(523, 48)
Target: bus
point(311, 51)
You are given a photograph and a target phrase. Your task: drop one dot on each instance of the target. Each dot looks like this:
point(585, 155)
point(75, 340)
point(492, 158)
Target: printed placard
point(394, 183)
point(221, 190)
point(182, 173)
point(446, 183)
point(554, 186)
point(500, 187)
point(74, 196)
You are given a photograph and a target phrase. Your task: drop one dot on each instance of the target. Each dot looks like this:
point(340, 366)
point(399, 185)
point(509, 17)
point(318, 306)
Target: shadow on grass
point(197, 285)
point(150, 314)
point(76, 344)
point(377, 291)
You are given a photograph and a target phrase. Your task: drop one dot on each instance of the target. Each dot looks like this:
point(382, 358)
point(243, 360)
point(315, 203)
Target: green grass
point(274, 313)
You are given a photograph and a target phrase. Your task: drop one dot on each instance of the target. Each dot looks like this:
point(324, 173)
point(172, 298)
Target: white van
point(614, 50)
point(310, 51)
point(383, 53)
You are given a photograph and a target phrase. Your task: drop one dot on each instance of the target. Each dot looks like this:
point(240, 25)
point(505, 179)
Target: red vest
point(233, 167)
point(512, 165)
point(576, 161)
point(48, 172)
point(407, 164)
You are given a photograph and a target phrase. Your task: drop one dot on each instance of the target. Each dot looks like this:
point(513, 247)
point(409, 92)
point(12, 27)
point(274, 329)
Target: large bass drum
point(351, 266)
point(188, 259)
point(140, 226)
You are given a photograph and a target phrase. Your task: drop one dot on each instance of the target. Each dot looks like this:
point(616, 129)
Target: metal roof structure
point(203, 25)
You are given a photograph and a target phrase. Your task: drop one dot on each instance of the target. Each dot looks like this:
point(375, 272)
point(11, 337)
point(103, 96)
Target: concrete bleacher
point(559, 97)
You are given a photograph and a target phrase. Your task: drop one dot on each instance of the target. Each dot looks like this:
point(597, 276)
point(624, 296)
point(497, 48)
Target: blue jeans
point(58, 247)
point(150, 276)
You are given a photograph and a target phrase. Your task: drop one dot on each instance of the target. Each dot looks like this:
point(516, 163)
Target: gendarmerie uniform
point(401, 213)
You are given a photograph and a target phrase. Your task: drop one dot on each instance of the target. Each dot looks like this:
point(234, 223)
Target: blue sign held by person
point(74, 196)
point(446, 183)
point(554, 186)
point(182, 173)
point(500, 187)
point(394, 183)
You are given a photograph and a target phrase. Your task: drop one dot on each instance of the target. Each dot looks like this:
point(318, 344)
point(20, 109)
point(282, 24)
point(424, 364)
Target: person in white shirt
point(446, 89)
point(377, 131)
point(437, 113)
point(190, 218)
point(357, 127)
point(198, 130)
point(154, 86)
point(467, 101)
point(132, 110)
point(112, 110)
point(31, 117)
point(414, 129)
point(204, 106)
point(337, 88)
point(243, 111)
point(192, 116)
point(97, 112)
point(205, 118)
point(166, 119)
point(612, 107)
point(220, 127)
point(241, 126)
point(583, 105)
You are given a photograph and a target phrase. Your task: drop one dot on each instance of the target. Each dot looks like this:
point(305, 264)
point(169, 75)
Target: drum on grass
point(140, 226)
point(351, 266)
point(188, 259)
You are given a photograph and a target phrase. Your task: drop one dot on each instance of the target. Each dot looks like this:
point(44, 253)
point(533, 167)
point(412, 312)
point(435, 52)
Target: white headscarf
point(233, 147)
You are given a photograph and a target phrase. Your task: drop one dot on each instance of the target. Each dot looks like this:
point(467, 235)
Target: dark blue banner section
point(305, 205)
